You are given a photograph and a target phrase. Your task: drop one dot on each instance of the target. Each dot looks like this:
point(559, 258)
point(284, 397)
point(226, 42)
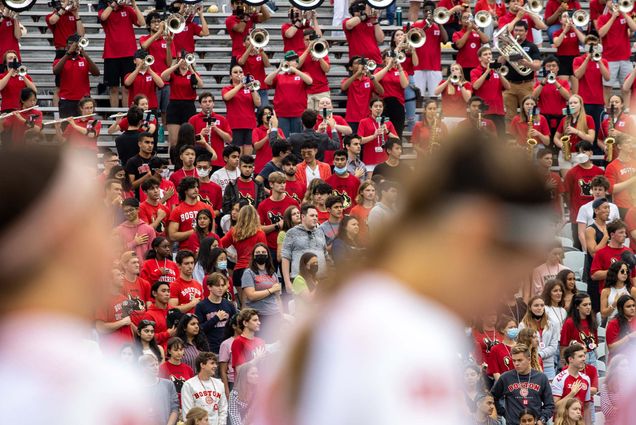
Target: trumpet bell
point(535, 6)
point(380, 4)
point(581, 18)
point(175, 23)
point(551, 79)
point(596, 56)
point(149, 60)
point(306, 4)
point(83, 43)
point(18, 5)
point(22, 71)
point(285, 68)
point(454, 79)
point(441, 15)
point(259, 38)
point(626, 6)
point(256, 85)
point(319, 49)
point(254, 2)
point(503, 70)
point(371, 65)
point(483, 19)
point(400, 57)
point(415, 38)
point(190, 59)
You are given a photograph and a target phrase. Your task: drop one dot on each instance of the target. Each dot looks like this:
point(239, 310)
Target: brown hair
point(195, 414)
point(529, 321)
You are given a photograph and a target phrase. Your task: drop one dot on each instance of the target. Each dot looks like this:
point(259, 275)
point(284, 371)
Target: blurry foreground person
point(49, 284)
point(392, 355)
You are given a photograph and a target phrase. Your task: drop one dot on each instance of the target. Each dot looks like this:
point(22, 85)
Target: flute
point(67, 119)
point(3, 116)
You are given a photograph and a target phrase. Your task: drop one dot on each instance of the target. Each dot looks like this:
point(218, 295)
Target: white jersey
point(50, 375)
point(209, 395)
point(383, 355)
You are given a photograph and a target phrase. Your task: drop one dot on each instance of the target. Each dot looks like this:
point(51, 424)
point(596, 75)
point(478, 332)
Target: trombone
point(67, 119)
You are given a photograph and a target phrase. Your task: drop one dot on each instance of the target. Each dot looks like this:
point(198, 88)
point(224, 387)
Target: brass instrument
point(319, 48)
point(285, 67)
point(596, 55)
point(502, 70)
point(67, 119)
point(610, 141)
point(454, 79)
point(581, 18)
point(251, 83)
point(83, 42)
point(483, 19)
point(534, 6)
point(149, 60)
point(400, 56)
point(17, 6)
point(441, 15)
point(551, 78)
point(531, 142)
point(415, 38)
point(190, 59)
point(3, 116)
point(175, 23)
point(626, 6)
point(565, 140)
point(259, 38)
point(370, 65)
point(435, 131)
point(22, 71)
point(508, 46)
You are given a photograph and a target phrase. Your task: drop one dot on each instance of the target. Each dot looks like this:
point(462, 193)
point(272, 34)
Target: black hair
point(202, 233)
point(185, 136)
point(388, 145)
point(157, 162)
point(577, 300)
point(261, 112)
point(150, 183)
point(551, 58)
point(340, 152)
point(204, 157)
point(623, 321)
point(130, 202)
point(291, 159)
point(185, 184)
point(150, 16)
point(612, 275)
point(200, 341)
point(229, 330)
point(155, 287)
point(183, 254)
point(280, 146)
point(205, 251)
point(352, 59)
point(125, 182)
point(322, 189)
point(246, 159)
point(144, 135)
point(205, 95)
point(229, 150)
point(584, 145)
point(184, 148)
point(269, 266)
point(309, 144)
point(346, 140)
point(333, 200)
point(154, 347)
point(309, 118)
point(523, 24)
point(134, 115)
point(304, 208)
point(26, 93)
point(152, 252)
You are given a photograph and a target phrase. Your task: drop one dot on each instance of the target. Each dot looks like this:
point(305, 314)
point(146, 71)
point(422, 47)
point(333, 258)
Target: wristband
point(372, 77)
point(269, 292)
point(274, 129)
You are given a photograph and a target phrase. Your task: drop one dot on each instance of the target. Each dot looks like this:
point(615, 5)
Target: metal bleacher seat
point(575, 260)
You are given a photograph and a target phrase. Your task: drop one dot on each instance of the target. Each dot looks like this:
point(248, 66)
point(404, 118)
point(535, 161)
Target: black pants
point(395, 111)
point(500, 123)
point(596, 112)
point(575, 235)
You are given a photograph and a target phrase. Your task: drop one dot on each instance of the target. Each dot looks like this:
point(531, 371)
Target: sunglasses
point(623, 271)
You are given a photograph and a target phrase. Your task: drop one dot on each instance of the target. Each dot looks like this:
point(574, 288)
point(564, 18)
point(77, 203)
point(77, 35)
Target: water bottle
point(160, 135)
point(398, 16)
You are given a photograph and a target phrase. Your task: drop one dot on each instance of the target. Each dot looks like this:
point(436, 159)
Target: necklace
point(162, 269)
point(523, 392)
point(208, 397)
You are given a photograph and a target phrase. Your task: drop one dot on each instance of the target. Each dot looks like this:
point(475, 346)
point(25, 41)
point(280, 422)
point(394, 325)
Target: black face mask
point(261, 259)
point(535, 317)
point(313, 269)
point(246, 177)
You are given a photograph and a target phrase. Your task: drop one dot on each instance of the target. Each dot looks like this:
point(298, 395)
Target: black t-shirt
point(533, 51)
point(391, 173)
point(137, 166)
point(268, 169)
point(127, 145)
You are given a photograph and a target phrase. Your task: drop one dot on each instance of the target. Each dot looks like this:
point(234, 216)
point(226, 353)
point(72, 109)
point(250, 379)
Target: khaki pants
point(313, 99)
point(514, 97)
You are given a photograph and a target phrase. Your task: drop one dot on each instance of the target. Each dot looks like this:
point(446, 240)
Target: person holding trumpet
point(555, 11)
point(185, 39)
point(241, 99)
point(23, 125)
point(359, 87)
point(529, 124)
point(575, 126)
point(254, 60)
point(567, 40)
point(363, 31)
point(73, 69)
point(10, 32)
point(290, 97)
point(468, 40)
point(455, 92)
point(408, 57)
point(552, 93)
point(428, 70)
point(394, 80)
point(301, 22)
point(12, 81)
point(616, 123)
point(144, 80)
point(315, 62)
point(489, 84)
point(592, 72)
point(213, 130)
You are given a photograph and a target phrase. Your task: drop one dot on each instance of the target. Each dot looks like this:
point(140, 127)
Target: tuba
point(508, 47)
point(609, 141)
point(531, 142)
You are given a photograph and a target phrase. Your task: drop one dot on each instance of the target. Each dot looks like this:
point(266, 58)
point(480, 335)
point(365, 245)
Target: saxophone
point(609, 141)
point(530, 142)
point(565, 140)
point(435, 130)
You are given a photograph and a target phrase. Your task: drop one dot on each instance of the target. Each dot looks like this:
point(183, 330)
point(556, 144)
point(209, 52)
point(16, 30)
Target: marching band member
point(254, 61)
point(294, 32)
point(615, 124)
point(400, 45)
point(12, 83)
point(428, 69)
point(476, 119)
point(316, 68)
point(455, 91)
point(149, 122)
point(240, 100)
point(374, 131)
point(518, 127)
point(240, 23)
point(576, 125)
point(468, 40)
point(10, 32)
point(567, 41)
point(22, 125)
point(82, 132)
point(430, 129)
point(488, 85)
point(144, 80)
point(359, 87)
point(552, 93)
point(394, 80)
point(185, 39)
point(363, 32)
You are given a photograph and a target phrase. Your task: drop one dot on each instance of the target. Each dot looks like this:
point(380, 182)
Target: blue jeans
point(264, 98)
point(552, 29)
point(390, 12)
point(591, 358)
point(290, 125)
point(409, 106)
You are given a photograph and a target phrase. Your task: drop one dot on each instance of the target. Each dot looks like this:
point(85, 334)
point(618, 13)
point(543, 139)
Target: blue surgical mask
point(340, 170)
point(221, 265)
point(513, 333)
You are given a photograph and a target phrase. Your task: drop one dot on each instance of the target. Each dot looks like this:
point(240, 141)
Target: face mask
point(581, 158)
point(313, 269)
point(513, 333)
point(165, 173)
point(203, 172)
point(338, 170)
point(246, 177)
point(221, 265)
point(535, 317)
point(261, 259)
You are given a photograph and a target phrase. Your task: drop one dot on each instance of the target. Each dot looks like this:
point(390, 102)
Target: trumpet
point(251, 83)
point(285, 67)
point(22, 70)
point(67, 119)
point(626, 6)
point(534, 6)
point(581, 18)
point(531, 142)
point(83, 42)
point(454, 79)
point(370, 65)
point(259, 38)
point(502, 70)
point(319, 48)
point(596, 56)
point(175, 23)
point(190, 59)
point(551, 78)
point(415, 38)
point(149, 60)
point(441, 15)
point(483, 19)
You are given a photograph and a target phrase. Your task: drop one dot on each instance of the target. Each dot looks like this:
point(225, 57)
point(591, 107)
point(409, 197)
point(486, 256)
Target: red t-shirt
point(254, 66)
point(574, 139)
point(454, 105)
point(212, 193)
point(185, 291)
point(498, 7)
point(148, 213)
point(199, 123)
point(555, 184)
point(296, 189)
point(139, 289)
point(18, 128)
point(467, 55)
point(193, 243)
point(358, 98)
point(160, 317)
point(88, 140)
point(323, 216)
point(362, 214)
point(270, 209)
point(154, 270)
point(185, 39)
point(244, 247)
point(186, 215)
point(612, 335)
point(290, 97)
point(65, 27)
point(164, 186)
point(7, 38)
point(578, 184)
point(562, 386)
point(570, 44)
point(142, 84)
point(297, 42)
point(328, 156)
point(500, 359)
point(486, 124)
point(373, 152)
point(120, 40)
point(243, 349)
point(74, 81)
point(583, 336)
point(158, 49)
point(591, 84)
point(552, 6)
point(237, 37)
point(624, 124)
point(604, 258)
point(519, 128)
point(240, 109)
point(180, 87)
point(422, 133)
point(430, 54)
point(123, 124)
point(509, 16)
point(618, 171)
point(491, 91)
point(391, 84)
point(11, 92)
point(346, 187)
point(484, 343)
point(596, 9)
point(616, 45)
point(550, 101)
point(449, 4)
point(112, 311)
point(178, 374)
point(361, 40)
point(313, 68)
point(246, 190)
point(180, 174)
point(264, 154)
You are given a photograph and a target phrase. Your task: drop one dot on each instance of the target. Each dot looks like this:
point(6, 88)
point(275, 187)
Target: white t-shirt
point(586, 213)
point(223, 177)
point(383, 355)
